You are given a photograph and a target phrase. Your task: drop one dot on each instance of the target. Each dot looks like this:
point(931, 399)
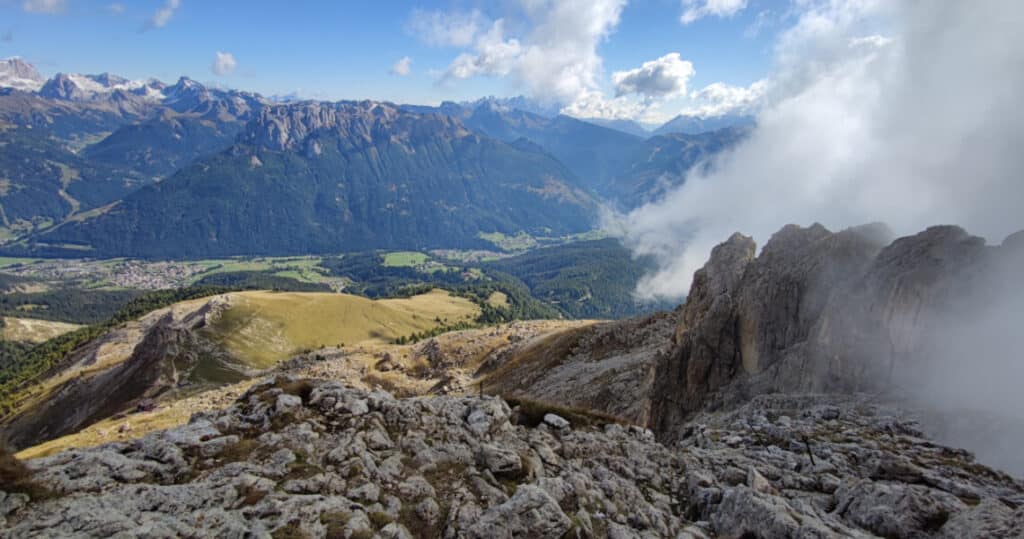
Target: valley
point(709, 269)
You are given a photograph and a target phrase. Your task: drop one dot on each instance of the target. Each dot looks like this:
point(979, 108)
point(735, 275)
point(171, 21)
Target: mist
point(906, 113)
point(902, 112)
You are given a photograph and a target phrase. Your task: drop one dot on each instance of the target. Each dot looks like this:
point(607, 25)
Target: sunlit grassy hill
point(261, 328)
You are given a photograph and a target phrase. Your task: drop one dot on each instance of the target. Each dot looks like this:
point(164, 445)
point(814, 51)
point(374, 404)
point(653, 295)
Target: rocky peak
point(818, 310)
point(109, 80)
point(363, 123)
point(61, 86)
point(20, 75)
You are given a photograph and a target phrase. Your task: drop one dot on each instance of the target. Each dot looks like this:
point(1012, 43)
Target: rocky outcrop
point(841, 312)
point(607, 367)
point(320, 459)
point(141, 360)
point(746, 317)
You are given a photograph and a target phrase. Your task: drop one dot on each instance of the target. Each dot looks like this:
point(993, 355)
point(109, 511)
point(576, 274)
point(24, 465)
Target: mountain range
point(99, 165)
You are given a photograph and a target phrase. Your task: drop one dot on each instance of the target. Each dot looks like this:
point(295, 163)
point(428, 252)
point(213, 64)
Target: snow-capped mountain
point(136, 96)
point(75, 87)
point(20, 75)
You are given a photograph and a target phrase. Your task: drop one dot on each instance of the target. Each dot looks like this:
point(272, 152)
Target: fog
point(968, 374)
point(907, 113)
point(902, 112)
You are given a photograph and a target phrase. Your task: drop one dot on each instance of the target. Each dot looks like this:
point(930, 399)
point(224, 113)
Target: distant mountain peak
point(693, 125)
point(523, 103)
point(18, 74)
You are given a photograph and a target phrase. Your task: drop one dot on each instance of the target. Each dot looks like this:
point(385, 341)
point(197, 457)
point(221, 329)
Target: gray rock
point(428, 510)
point(448, 472)
point(500, 461)
point(529, 513)
point(556, 421)
point(287, 403)
point(895, 510)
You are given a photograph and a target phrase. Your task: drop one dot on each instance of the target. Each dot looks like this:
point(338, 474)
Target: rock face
point(835, 312)
point(607, 367)
point(141, 360)
point(360, 124)
point(747, 316)
point(323, 460)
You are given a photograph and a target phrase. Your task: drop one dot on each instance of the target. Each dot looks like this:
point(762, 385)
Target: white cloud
point(875, 41)
point(116, 8)
point(666, 76)
point(698, 9)
point(923, 131)
point(494, 55)
point(402, 67)
point(223, 64)
point(162, 15)
point(44, 6)
point(456, 29)
point(554, 56)
point(597, 105)
point(718, 99)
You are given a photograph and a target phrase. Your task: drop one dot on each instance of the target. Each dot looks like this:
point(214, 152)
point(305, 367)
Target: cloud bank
point(917, 128)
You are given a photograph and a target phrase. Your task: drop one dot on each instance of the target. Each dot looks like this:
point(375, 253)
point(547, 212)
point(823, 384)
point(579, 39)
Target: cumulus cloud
point(719, 99)
point(223, 64)
point(44, 6)
point(493, 55)
point(921, 131)
point(554, 56)
point(454, 29)
point(663, 77)
point(162, 15)
point(698, 9)
point(595, 104)
point(402, 67)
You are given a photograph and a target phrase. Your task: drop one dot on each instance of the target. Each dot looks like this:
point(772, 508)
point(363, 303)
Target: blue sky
point(346, 50)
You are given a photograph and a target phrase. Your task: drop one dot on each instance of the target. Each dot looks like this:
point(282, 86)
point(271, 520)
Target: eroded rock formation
point(843, 312)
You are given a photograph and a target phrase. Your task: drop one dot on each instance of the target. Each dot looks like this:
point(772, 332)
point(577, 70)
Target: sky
point(641, 59)
point(905, 112)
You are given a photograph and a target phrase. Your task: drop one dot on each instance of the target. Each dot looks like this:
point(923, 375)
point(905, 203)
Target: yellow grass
point(34, 331)
point(107, 431)
point(497, 299)
point(167, 416)
point(261, 328)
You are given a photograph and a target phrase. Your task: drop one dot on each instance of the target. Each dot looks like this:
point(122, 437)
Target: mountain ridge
point(355, 172)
